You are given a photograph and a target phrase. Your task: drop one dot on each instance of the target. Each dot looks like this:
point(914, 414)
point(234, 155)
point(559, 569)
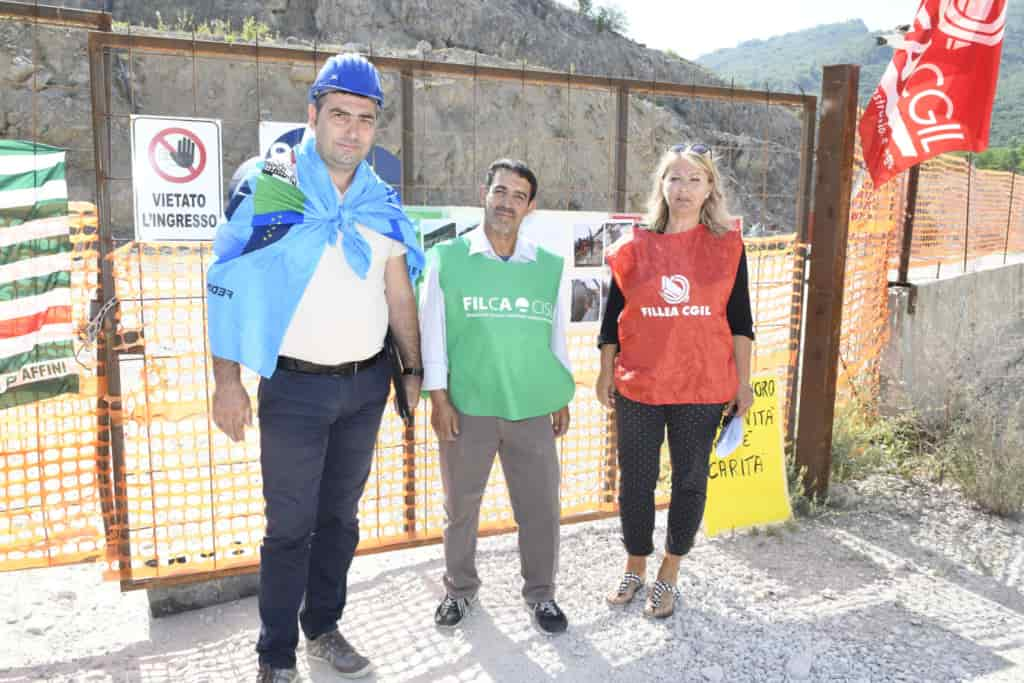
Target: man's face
point(345, 128)
point(506, 202)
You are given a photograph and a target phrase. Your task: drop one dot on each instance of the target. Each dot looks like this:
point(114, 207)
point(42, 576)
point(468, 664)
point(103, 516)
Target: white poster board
point(277, 138)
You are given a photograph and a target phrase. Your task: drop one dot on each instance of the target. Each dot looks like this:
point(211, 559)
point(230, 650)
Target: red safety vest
point(675, 345)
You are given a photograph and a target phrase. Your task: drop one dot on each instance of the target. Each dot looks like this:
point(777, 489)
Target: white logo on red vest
point(675, 289)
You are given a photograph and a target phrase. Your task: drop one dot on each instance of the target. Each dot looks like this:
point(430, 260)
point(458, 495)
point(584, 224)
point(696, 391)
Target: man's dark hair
point(517, 167)
point(319, 101)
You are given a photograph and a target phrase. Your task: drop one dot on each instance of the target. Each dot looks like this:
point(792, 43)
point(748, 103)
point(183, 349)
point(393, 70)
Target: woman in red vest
point(675, 353)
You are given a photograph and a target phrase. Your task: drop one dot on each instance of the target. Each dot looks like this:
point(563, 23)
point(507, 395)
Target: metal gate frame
point(100, 44)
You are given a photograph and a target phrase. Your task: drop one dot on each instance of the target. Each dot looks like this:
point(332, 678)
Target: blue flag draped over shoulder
point(268, 250)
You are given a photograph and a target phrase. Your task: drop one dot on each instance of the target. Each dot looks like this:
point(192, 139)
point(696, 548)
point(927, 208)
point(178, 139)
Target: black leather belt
point(351, 368)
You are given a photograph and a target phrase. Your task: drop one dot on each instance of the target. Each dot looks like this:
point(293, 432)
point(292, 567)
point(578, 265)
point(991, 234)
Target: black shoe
point(450, 612)
point(549, 617)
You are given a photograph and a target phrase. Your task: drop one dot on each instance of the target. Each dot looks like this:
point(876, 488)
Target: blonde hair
point(714, 212)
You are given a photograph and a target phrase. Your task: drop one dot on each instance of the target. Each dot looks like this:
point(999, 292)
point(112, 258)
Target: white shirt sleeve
point(433, 341)
point(560, 325)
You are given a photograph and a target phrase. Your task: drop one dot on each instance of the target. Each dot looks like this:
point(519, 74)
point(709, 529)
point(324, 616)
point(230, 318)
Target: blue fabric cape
point(264, 262)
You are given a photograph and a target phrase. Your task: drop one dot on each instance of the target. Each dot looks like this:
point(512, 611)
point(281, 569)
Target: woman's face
point(685, 186)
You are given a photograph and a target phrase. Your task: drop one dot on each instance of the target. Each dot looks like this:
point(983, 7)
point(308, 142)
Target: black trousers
point(691, 430)
point(317, 435)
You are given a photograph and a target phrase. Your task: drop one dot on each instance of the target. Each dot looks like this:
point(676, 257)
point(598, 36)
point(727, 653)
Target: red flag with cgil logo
point(936, 95)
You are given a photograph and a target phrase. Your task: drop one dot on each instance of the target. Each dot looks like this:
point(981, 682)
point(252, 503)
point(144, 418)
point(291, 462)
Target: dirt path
point(902, 582)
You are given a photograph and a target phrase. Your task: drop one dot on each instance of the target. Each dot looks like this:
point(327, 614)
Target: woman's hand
point(605, 389)
point(744, 399)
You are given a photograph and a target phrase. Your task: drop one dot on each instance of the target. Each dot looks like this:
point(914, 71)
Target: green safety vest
point(498, 319)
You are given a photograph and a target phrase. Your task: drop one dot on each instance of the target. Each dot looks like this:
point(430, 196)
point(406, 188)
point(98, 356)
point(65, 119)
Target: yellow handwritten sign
point(748, 487)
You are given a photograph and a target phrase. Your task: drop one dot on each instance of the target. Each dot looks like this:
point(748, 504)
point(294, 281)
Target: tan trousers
point(529, 460)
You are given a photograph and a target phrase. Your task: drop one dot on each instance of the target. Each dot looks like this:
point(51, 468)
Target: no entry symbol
point(177, 155)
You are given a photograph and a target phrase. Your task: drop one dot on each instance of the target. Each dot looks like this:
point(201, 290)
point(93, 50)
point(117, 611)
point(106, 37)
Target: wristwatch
point(415, 372)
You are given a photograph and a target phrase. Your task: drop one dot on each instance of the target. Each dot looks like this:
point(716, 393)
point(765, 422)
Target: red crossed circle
point(160, 140)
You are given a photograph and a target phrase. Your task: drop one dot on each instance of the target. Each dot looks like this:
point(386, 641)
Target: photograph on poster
point(613, 232)
point(587, 246)
point(435, 230)
point(586, 300)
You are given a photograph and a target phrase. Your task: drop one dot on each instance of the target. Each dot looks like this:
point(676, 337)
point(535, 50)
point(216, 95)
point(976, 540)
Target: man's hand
point(605, 389)
point(443, 416)
point(232, 410)
point(560, 421)
point(412, 385)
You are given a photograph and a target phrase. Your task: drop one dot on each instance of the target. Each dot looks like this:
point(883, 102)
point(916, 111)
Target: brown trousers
point(529, 460)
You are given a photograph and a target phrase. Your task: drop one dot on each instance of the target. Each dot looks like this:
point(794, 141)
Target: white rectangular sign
point(177, 180)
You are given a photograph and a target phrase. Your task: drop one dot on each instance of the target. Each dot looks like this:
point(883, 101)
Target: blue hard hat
point(350, 73)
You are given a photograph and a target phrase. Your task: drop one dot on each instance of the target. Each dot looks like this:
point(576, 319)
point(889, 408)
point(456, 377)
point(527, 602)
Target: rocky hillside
point(568, 135)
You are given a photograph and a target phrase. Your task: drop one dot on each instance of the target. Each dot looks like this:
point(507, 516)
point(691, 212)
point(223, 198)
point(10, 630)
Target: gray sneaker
point(271, 675)
point(336, 651)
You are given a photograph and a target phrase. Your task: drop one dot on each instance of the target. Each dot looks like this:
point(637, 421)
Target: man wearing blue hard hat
point(313, 267)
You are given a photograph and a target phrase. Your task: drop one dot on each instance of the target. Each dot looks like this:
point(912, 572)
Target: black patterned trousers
point(691, 430)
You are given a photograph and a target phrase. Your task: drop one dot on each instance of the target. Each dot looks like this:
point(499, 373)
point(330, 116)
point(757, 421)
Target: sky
point(692, 29)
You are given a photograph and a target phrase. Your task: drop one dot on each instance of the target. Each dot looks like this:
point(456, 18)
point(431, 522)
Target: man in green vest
point(493, 319)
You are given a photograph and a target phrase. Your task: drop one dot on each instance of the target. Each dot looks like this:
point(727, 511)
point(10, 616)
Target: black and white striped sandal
point(661, 601)
point(628, 587)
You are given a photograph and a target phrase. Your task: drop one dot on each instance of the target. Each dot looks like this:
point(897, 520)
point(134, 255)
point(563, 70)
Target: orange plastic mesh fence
point(191, 500)
point(876, 223)
point(963, 212)
point(50, 510)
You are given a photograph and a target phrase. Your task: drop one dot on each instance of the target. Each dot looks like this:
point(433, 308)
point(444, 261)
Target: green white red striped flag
point(36, 334)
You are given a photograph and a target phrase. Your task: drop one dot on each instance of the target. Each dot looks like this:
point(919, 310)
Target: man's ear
point(532, 205)
point(311, 114)
point(483, 194)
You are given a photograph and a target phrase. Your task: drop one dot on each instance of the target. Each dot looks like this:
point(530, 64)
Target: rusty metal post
point(803, 209)
point(803, 231)
point(834, 177)
point(908, 223)
point(408, 138)
point(111, 455)
point(610, 483)
point(409, 472)
point(797, 308)
point(967, 218)
point(57, 16)
point(1009, 216)
point(621, 147)
point(408, 182)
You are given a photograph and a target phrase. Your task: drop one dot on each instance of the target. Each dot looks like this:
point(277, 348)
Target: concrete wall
point(963, 338)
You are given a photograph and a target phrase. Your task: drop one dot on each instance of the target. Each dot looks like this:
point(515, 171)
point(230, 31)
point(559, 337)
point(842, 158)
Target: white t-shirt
point(340, 317)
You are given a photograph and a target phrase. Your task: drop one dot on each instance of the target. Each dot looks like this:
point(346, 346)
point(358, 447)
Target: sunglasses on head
point(698, 148)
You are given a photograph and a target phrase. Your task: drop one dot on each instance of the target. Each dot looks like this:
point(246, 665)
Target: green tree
point(611, 18)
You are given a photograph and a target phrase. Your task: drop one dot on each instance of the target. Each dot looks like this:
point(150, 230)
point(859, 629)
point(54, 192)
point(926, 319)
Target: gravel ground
point(896, 582)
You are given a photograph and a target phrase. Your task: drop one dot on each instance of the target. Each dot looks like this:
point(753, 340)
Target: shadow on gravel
point(832, 597)
point(861, 576)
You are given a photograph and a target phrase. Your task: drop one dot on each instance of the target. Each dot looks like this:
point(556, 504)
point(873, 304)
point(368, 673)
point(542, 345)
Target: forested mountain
point(793, 61)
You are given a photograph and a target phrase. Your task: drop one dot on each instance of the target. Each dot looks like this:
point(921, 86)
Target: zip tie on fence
point(92, 329)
